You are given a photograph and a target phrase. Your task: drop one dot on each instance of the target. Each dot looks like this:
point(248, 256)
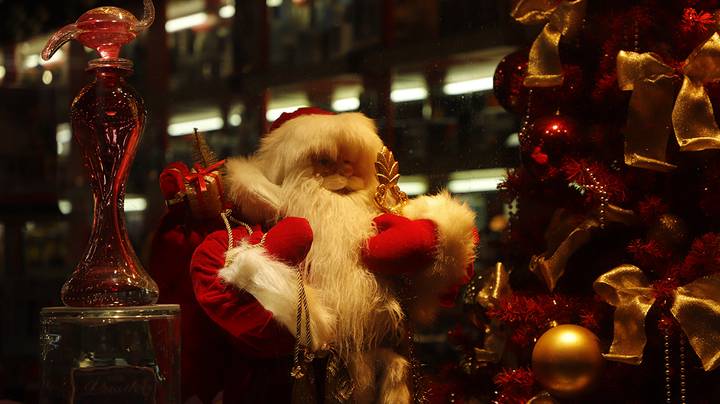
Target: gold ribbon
point(542, 398)
point(649, 112)
point(560, 18)
point(495, 286)
point(693, 116)
point(696, 307)
point(566, 233)
point(652, 112)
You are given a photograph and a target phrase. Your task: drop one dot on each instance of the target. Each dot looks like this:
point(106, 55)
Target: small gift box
point(198, 189)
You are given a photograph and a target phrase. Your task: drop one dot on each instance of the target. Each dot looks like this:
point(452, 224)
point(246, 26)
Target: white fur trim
point(275, 285)
point(455, 222)
point(381, 376)
point(252, 193)
point(394, 381)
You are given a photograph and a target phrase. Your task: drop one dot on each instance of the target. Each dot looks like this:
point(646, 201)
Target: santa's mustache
point(337, 182)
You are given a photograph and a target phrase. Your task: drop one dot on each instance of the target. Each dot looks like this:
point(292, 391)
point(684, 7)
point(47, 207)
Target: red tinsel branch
point(703, 258)
point(651, 208)
point(513, 184)
point(529, 316)
point(515, 386)
point(579, 171)
point(694, 21)
point(649, 255)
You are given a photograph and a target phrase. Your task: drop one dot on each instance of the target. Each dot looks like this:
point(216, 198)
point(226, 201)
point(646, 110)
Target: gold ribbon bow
point(652, 112)
point(560, 18)
point(696, 308)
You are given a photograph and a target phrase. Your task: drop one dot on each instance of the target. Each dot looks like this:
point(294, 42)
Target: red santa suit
point(320, 167)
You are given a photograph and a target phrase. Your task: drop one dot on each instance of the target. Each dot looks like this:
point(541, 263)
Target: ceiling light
point(62, 138)
point(513, 140)
point(135, 204)
point(226, 11)
point(413, 184)
point(235, 119)
point(469, 86)
point(408, 94)
point(64, 206)
point(346, 104)
point(47, 77)
point(483, 180)
point(189, 21)
point(31, 61)
point(202, 125)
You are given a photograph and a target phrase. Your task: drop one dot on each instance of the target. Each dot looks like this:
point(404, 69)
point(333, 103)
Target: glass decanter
point(108, 117)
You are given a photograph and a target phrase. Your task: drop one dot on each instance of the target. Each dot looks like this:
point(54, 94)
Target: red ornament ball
point(553, 135)
point(508, 82)
point(512, 94)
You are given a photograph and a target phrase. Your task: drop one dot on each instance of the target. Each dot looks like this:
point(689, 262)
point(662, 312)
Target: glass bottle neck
point(114, 64)
point(109, 76)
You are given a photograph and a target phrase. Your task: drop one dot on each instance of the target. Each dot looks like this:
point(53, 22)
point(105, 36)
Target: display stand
point(110, 354)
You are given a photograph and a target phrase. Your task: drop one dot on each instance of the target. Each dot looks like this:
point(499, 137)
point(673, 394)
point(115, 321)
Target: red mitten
point(289, 241)
point(401, 245)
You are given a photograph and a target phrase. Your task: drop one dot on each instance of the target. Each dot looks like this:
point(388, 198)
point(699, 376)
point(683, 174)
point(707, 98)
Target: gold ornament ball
point(567, 361)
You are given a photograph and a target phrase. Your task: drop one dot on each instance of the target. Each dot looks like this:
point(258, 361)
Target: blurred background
point(422, 69)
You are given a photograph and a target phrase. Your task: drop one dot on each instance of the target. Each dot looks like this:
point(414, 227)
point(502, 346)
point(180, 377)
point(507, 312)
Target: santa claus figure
point(362, 272)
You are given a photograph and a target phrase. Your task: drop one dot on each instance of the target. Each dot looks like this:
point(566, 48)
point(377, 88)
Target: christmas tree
point(609, 287)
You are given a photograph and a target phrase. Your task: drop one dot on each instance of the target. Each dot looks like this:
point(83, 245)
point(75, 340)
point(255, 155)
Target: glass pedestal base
point(110, 354)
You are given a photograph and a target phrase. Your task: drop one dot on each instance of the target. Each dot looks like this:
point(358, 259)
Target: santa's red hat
point(286, 116)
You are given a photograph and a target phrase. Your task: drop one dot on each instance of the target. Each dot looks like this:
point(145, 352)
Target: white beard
point(367, 311)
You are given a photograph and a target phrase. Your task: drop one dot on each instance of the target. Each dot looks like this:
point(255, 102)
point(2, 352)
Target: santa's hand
point(289, 240)
point(269, 272)
point(401, 246)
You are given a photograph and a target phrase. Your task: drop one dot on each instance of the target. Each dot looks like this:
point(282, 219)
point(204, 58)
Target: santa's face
point(342, 173)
